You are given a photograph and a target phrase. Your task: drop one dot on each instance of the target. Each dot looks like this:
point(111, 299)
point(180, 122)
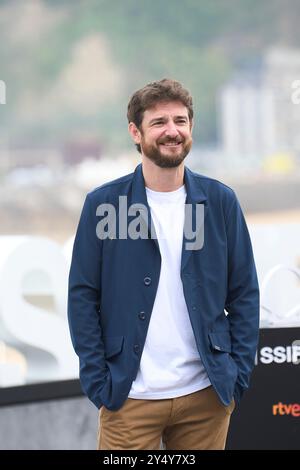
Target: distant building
point(282, 69)
point(77, 150)
point(257, 115)
point(71, 152)
point(12, 157)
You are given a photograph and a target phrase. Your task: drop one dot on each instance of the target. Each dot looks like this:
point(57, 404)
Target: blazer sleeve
point(242, 302)
point(84, 295)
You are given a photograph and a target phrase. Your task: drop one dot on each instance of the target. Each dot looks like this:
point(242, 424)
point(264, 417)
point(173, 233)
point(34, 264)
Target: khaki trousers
point(195, 421)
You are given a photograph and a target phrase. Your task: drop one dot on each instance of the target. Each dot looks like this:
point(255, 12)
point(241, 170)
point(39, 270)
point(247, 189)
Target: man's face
point(165, 135)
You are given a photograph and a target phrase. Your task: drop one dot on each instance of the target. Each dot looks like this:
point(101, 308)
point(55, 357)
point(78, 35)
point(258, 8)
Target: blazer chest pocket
point(113, 345)
point(220, 341)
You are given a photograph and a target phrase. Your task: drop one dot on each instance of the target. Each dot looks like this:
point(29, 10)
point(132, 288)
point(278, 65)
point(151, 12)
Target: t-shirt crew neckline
point(166, 195)
point(178, 190)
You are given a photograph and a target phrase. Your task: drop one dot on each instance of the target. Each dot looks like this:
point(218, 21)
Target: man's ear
point(134, 132)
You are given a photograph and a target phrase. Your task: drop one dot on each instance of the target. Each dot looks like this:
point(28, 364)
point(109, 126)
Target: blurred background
point(67, 71)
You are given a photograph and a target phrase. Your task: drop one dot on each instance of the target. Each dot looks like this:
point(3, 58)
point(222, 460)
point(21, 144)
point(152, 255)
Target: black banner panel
point(269, 414)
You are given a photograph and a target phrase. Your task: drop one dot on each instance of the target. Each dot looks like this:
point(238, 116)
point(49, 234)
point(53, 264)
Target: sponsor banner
point(269, 414)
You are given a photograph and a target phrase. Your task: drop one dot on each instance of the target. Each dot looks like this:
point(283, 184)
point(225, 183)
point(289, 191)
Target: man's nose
point(171, 129)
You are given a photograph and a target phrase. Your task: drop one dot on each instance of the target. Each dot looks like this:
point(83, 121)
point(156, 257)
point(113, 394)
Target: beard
point(168, 158)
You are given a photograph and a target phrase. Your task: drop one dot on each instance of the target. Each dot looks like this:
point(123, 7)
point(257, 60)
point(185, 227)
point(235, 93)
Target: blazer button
point(147, 281)
point(142, 316)
point(136, 348)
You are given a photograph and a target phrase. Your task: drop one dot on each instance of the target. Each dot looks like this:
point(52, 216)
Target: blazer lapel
point(139, 202)
point(194, 197)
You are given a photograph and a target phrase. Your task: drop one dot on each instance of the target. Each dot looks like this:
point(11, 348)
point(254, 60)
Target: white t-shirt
point(170, 364)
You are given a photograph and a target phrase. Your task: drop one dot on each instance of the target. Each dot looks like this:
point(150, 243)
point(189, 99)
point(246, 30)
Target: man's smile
point(171, 144)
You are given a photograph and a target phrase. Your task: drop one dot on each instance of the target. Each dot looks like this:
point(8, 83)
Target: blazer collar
point(194, 192)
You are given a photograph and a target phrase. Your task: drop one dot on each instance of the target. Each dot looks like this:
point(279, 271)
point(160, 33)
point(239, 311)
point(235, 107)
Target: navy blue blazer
point(113, 283)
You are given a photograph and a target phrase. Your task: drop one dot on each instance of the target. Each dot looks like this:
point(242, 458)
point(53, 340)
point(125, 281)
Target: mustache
point(171, 141)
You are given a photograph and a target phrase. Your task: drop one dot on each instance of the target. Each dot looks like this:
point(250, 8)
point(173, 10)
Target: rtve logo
point(281, 409)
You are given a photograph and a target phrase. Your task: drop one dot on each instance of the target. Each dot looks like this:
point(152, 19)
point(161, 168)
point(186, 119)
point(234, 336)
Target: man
point(165, 329)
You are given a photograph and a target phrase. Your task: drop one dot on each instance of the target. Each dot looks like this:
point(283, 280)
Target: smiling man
point(166, 335)
point(165, 134)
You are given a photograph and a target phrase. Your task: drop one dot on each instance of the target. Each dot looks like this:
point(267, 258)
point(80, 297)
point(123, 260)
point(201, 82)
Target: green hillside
point(42, 46)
